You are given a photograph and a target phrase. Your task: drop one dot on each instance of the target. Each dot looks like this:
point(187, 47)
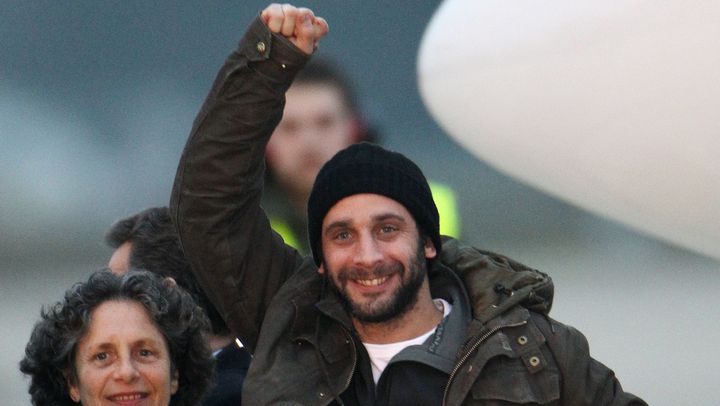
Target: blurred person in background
point(320, 118)
point(148, 240)
point(131, 339)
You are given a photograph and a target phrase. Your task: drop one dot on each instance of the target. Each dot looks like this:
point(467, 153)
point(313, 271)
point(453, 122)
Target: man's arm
point(225, 235)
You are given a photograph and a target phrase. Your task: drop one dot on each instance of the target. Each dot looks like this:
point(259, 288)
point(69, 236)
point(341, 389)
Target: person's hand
point(298, 24)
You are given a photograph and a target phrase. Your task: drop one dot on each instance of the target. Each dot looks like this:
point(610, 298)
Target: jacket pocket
point(508, 381)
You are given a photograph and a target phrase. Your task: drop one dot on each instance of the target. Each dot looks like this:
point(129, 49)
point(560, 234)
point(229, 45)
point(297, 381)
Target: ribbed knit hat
point(368, 168)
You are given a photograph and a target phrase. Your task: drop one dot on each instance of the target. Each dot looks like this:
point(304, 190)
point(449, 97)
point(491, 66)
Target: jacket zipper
point(469, 352)
point(354, 352)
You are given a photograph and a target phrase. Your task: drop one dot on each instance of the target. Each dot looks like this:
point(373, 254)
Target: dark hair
point(156, 248)
point(50, 353)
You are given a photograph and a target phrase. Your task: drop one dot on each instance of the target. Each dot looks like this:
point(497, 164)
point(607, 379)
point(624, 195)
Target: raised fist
point(298, 24)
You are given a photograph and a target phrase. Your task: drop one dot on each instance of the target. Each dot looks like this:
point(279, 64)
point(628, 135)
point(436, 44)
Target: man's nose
point(367, 251)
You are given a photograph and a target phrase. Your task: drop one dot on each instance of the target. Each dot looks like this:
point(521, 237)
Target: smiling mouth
point(372, 282)
point(127, 397)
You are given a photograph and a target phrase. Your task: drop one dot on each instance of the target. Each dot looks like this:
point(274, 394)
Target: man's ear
point(358, 129)
point(270, 153)
point(430, 251)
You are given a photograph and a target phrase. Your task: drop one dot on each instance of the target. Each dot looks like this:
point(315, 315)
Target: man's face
point(120, 260)
point(373, 256)
point(316, 124)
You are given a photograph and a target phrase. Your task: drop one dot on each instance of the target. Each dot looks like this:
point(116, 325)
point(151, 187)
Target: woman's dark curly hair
point(50, 353)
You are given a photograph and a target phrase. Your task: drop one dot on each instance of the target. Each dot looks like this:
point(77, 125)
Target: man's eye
point(145, 353)
point(388, 229)
point(101, 356)
point(342, 235)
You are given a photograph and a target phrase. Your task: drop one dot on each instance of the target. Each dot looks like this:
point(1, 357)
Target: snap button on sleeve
point(522, 340)
point(260, 47)
point(534, 361)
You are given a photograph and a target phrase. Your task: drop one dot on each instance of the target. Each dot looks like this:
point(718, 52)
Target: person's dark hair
point(50, 352)
point(156, 248)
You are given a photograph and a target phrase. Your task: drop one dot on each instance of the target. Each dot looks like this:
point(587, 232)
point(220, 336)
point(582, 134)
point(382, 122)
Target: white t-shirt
point(381, 354)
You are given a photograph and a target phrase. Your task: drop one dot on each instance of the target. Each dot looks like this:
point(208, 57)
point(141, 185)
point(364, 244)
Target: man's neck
point(422, 317)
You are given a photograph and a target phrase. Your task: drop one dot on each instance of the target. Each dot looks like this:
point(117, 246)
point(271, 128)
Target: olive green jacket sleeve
point(225, 235)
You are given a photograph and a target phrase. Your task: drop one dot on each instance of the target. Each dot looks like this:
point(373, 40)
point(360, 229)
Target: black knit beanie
point(368, 168)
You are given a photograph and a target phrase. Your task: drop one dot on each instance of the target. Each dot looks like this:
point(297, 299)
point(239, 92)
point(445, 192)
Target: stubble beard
point(382, 310)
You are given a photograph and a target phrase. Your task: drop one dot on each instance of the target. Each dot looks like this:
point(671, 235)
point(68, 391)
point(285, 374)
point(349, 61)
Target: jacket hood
point(496, 283)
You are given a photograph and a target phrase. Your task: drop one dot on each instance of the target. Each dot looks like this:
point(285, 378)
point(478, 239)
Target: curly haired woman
point(136, 339)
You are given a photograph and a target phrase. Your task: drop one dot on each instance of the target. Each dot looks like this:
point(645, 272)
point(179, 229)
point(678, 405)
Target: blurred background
point(96, 99)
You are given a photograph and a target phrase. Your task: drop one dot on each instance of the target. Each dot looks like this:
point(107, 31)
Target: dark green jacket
point(274, 299)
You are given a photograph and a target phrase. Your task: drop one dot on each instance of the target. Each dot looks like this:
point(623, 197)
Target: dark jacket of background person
point(275, 300)
point(155, 247)
point(231, 366)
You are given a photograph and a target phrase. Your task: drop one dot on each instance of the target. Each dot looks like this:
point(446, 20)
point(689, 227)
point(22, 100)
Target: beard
point(381, 310)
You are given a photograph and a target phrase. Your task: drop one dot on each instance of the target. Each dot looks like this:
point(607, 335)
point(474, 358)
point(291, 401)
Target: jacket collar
point(317, 299)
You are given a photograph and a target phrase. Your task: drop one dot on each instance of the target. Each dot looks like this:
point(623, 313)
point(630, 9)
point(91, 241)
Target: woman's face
point(123, 359)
